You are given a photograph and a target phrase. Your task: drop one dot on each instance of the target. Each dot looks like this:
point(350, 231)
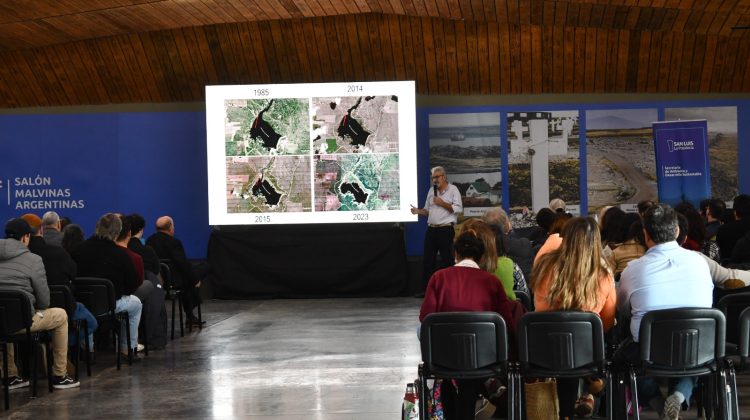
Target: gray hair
point(496, 216)
point(439, 169)
point(50, 218)
point(108, 226)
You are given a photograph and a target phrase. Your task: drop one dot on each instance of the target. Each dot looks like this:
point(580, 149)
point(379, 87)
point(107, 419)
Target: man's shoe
point(140, 347)
point(64, 382)
point(672, 406)
point(195, 321)
point(15, 382)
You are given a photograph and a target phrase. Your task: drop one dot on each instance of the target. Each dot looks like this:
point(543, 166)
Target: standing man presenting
point(441, 207)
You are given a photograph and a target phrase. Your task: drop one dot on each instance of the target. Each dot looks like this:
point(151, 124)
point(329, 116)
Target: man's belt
point(432, 225)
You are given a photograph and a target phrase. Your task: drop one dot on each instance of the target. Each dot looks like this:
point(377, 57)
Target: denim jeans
point(82, 312)
point(133, 305)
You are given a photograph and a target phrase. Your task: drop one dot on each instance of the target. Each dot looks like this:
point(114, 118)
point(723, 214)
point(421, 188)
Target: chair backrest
point(732, 304)
point(525, 299)
point(561, 342)
point(682, 338)
point(60, 296)
point(166, 274)
point(97, 294)
point(464, 344)
point(745, 333)
point(15, 312)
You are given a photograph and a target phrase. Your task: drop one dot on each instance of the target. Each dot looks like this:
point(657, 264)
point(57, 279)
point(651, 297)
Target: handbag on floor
point(541, 400)
point(435, 402)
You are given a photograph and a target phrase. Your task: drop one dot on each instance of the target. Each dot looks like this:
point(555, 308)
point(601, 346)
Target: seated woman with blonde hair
point(505, 269)
point(575, 277)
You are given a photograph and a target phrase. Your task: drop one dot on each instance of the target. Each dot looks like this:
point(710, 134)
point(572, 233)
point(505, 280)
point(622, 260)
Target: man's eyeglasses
point(437, 176)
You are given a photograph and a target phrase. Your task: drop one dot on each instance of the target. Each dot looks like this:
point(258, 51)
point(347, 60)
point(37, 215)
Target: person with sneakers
point(60, 269)
point(667, 276)
point(168, 247)
point(22, 270)
point(99, 256)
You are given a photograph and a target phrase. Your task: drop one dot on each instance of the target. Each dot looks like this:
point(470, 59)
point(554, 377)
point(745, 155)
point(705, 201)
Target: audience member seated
point(667, 276)
point(99, 256)
point(507, 242)
point(697, 238)
point(506, 271)
point(557, 205)
point(574, 276)
point(726, 280)
point(135, 244)
point(544, 219)
point(712, 211)
point(168, 247)
point(461, 288)
point(60, 269)
point(554, 239)
point(72, 236)
point(22, 270)
point(632, 245)
point(51, 230)
point(610, 226)
point(730, 232)
point(149, 291)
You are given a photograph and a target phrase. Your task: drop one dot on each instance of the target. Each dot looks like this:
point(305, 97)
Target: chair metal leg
point(180, 309)
point(48, 351)
point(422, 394)
point(173, 303)
point(76, 356)
point(6, 392)
point(117, 332)
point(200, 318)
point(144, 317)
point(609, 394)
point(126, 320)
point(87, 347)
point(634, 395)
point(734, 398)
point(32, 368)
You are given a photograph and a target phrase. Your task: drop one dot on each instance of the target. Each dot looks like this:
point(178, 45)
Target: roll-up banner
point(682, 167)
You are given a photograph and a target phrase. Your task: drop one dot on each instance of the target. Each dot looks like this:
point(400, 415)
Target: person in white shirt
point(441, 208)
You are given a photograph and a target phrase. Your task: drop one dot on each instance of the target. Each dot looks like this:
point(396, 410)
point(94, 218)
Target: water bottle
point(409, 407)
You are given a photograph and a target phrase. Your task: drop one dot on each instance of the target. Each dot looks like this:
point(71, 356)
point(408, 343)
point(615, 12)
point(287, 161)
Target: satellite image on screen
point(256, 127)
point(357, 182)
point(268, 185)
point(355, 124)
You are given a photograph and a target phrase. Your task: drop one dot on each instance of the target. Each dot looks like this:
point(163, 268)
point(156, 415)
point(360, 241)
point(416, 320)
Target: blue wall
point(150, 163)
point(154, 163)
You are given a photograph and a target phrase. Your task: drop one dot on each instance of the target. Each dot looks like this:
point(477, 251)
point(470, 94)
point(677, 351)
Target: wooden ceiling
point(81, 52)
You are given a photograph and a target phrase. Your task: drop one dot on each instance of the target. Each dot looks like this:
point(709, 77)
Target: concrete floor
point(276, 359)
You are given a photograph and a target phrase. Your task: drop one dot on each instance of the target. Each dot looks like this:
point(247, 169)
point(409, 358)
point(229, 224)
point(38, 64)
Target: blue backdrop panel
point(85, 165)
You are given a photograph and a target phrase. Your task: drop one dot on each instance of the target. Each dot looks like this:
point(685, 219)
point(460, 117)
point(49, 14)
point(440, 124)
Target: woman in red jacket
point(466, 287)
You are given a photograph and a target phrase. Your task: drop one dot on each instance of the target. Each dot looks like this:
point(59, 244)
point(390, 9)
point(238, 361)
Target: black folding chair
point(60, 296)
point(98, 295)
point(463, 345)
point(174, 294)
point(732, 305)
point(525, 299)
point(562, 344)
point(15, 316)
point(744, 340)
point(685, 342)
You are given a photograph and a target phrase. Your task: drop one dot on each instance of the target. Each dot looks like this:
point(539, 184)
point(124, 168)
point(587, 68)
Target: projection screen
point(311, 153)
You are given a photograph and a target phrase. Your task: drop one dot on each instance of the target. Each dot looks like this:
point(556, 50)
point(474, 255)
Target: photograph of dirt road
point(621, 167)
point(722, 145)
